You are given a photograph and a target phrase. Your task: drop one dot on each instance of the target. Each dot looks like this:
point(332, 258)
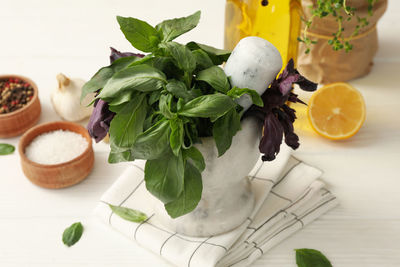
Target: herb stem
point(187, 79)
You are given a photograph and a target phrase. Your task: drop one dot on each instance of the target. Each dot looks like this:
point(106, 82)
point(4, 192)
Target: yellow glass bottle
point(277, 21)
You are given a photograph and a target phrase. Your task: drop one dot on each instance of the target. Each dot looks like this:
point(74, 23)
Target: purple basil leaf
point(273, 98)
point(287, 118)
point(278, 117)
point(306, 84)
point(294, 99)
point(286, 84)
point(99, 122)
point(289, 113)
point(272, 137)
point(115, 54)
point(289, 76)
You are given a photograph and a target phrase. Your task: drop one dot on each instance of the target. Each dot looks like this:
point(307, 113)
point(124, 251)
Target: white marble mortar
point(227, 198)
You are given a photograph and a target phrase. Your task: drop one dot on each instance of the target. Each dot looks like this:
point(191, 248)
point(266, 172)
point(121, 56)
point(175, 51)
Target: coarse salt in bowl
point(56, 147)
point(57, 154)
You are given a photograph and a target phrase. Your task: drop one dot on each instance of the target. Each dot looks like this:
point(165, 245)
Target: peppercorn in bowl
point(19, 105)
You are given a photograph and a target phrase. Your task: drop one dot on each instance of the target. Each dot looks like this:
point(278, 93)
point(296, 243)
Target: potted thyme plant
point(339, 38)
point(174, 106)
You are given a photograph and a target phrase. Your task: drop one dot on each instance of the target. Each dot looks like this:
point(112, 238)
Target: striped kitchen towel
point(289, 195)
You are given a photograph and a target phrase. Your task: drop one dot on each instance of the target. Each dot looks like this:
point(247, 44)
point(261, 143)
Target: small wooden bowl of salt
point(56, 154)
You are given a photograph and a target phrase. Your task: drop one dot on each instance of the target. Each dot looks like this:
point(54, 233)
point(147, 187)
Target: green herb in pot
point(157, 106)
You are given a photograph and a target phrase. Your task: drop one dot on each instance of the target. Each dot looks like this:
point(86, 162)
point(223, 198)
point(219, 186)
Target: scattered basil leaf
point(164, 176)
point(176, 138)
point(72, 234)
point(215, 77)
point(129, 214)
point(195, 156)
point(6, 149)
point(208, 106)
point(104, 74)
point(153, 142)
point(224, 129)
point(141, 78)
point(182, 56)
point(190, 196)
point(218, 56)
point(175, 27)
point(236, 92)
point(140, 34)
point(306, 257)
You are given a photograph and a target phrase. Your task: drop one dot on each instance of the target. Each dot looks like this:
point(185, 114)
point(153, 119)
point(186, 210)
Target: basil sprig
point(164, 103)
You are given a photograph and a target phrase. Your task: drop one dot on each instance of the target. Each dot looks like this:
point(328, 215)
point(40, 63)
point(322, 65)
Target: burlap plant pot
point(324, 65)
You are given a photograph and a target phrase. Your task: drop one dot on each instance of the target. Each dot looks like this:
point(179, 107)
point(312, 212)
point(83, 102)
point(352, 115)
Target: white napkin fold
point(288, 197)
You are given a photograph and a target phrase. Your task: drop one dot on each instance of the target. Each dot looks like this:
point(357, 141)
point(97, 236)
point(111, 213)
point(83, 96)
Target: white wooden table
point(41, 38)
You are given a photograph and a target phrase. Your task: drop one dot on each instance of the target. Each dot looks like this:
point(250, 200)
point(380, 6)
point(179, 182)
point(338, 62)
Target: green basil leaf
point(129, 214)
point(196, 158)
point(104, 74)
point(224, 129)
point(161, 63)
point(6, 149)
point(236, 92)
point(122, 99)
point(126, 125)
point(182, 56)
point(143, 60)
point(164, 105)
point(154, 97)
point(175, 27)
point(153, 142)
point(164, 176)
point(311, 258)
point(177, 134)
point(203, 61)
point(215, 77)
point(208, 106)
point(180, 104)
point(191, 135)
point(179, 89)
point(190, 196)
point(72, 234)
point(218, 56)
point(139, 33)
point(141, 78)
point(120, 156)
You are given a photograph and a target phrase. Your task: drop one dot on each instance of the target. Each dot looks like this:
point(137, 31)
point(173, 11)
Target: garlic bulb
point(66, 99)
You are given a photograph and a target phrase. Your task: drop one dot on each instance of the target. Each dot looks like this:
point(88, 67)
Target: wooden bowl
point(19, 121)
point(57, 175)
